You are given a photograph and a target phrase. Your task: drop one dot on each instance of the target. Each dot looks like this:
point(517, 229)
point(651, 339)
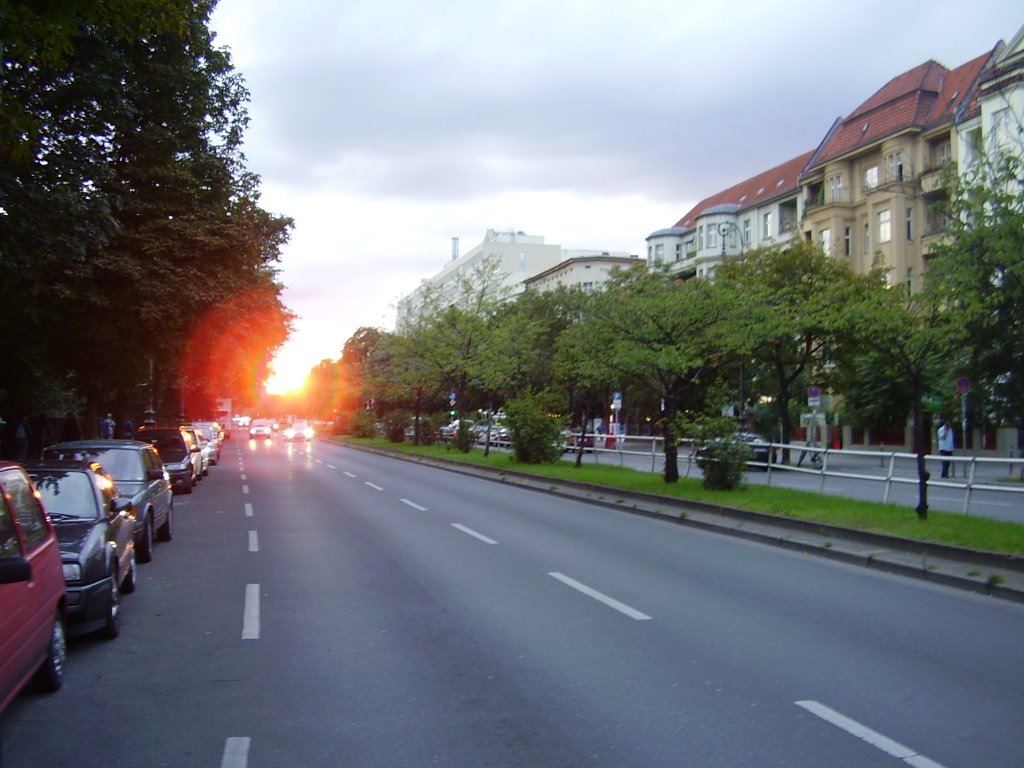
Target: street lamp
point(724, 228)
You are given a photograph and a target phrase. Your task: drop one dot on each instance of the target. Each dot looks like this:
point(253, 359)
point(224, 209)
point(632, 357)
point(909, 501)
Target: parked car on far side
point(32, 591)
point(96, 528)
point(178, 452)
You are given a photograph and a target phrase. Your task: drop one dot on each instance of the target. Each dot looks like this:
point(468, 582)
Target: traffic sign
point(813, 397)
point(963, 384)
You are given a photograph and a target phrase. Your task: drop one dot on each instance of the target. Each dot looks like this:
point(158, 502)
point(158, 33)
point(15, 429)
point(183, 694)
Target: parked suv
point(139, 474)
point(178, 452)
point(32, 594)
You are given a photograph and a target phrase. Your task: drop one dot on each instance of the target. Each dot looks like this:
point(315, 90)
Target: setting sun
point(287, 381)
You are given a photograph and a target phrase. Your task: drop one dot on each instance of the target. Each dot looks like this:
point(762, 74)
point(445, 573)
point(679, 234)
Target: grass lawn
point(941, 527)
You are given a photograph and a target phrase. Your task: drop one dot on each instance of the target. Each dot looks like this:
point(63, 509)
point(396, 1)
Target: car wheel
point(166, 531)
point(128, 582)
point(144, 548)
point(186, 487)
point(50, 676)
point(112, 628)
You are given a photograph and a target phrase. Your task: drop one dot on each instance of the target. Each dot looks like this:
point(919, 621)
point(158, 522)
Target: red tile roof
point(782, 179)
point(927, 96)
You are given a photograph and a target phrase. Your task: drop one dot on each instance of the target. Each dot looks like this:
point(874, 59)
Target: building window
point(972, 146)
point(910, 223)
point(826, 241)
point(910, 280)
point(1002, 129)
point(834, 193)
point(659, 253)
point(871, 177)
point(945, 153)
point(700, 238)
point(588, 287)
point(894, 166)
point(884, 226)
point(848, 241)
point(766, 232)
point(712, 237)
point(679, 251)
point(746, 231)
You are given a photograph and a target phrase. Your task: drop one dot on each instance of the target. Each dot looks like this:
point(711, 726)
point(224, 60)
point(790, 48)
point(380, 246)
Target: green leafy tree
point(647, 328)
point(785, 308)
point(980, 271)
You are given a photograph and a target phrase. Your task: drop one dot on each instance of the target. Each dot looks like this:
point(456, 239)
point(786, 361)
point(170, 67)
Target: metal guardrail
point(978, 473)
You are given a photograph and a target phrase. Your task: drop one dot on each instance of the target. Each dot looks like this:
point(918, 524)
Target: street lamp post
point(724, 228)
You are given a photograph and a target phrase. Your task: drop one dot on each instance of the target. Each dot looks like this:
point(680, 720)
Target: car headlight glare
point(72, 572)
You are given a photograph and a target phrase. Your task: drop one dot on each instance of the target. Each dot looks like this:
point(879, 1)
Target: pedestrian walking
point(107, 427)
point(128, 430)
point(947, 442)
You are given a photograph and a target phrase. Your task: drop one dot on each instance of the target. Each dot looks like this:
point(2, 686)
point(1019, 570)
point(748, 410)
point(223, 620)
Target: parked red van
point(32, 598)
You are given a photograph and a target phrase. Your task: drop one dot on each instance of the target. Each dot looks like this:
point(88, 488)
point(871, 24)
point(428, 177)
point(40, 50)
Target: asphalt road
point(325, 607)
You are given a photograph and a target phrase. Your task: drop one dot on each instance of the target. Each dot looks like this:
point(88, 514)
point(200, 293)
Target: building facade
point(584, 270)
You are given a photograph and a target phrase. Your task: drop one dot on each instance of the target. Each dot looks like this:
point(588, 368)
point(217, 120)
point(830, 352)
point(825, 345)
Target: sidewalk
point(987, 573)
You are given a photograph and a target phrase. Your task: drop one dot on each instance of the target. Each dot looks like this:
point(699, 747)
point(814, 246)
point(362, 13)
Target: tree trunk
point(922, 471)
point(668, 432)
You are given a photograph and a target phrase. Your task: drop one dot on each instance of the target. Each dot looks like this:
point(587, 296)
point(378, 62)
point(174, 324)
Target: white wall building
point(586, 270)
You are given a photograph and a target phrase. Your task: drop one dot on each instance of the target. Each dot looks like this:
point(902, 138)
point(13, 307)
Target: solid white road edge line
point(375, 487)
point(874, 738)
point(254, 542)
point(236, 752)
point(248, 509)
point(251, 613)
point(414, 505)
point(601, 598)
point(473, 533)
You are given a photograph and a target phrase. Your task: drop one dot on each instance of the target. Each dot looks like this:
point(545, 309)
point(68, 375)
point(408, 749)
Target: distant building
point(585, 270)
point(520, 257)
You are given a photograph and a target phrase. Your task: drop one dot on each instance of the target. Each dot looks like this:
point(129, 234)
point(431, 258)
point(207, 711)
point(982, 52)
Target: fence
point(889, 468)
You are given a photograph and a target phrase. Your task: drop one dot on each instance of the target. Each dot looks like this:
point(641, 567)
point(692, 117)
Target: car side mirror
point(121, 506)
point(14, 570)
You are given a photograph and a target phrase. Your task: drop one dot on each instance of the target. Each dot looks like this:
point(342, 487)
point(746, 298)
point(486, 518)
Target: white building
point(519, 258)
point(586, 270)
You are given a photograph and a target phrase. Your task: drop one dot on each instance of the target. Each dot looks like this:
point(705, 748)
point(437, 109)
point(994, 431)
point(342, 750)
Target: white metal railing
point(967, 473)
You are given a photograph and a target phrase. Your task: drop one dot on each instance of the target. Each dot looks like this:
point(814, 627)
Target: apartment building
point(869, 188)
point(520, 258)
point(760, 212)
point(585, 270)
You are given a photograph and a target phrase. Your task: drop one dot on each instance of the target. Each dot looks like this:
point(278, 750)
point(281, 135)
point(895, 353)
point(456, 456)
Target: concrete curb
point(989, 573)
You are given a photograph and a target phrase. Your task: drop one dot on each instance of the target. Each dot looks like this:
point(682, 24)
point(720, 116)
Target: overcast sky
point(387, 128)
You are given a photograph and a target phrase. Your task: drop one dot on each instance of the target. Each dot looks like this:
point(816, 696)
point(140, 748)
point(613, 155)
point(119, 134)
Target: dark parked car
point(140, 475)
point(96, 528)
point(178, 452)
point(760, 449)
point(32, 592)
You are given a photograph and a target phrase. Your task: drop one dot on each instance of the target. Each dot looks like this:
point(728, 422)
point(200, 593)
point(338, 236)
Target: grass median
point(940, 527)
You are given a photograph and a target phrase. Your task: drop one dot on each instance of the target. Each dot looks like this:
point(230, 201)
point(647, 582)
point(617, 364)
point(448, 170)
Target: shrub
point(723, 463)
point(364, 424)
point(536, 435)
point(395, 425)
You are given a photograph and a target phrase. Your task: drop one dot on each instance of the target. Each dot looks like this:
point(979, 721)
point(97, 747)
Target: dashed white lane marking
point(349, 474)
point(243, 477)
point(600, 597)
point(236, 752)
point(254, 542)
point(245, 490)
point(251, 613)
point(413, 504)
point(473, 533)
point(248, 509)
point(874, 738)
point(375, 487)
point(331, 466)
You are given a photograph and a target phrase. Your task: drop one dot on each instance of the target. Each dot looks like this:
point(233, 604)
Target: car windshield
point(120, 464)
point(170, 447)
point(67, 494)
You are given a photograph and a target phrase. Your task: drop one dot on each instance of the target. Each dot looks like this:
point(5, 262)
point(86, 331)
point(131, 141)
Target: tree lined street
point(326, 606)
